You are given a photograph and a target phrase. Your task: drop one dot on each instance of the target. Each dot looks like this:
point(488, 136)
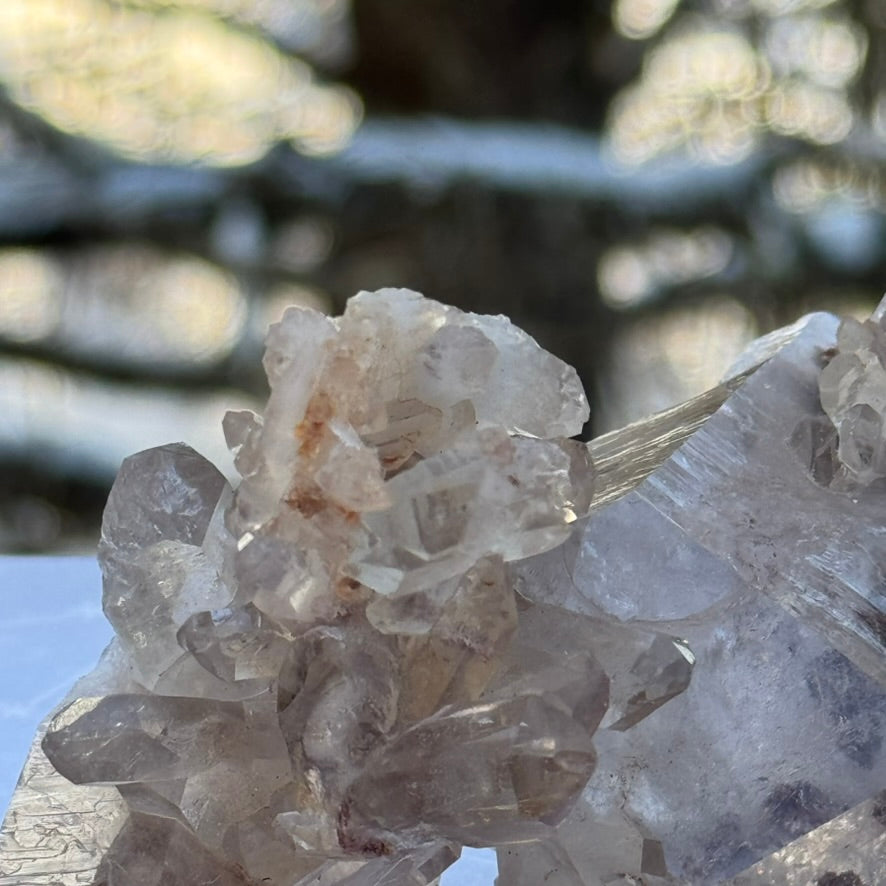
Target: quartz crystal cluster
point(422, 620)
point(325, 675)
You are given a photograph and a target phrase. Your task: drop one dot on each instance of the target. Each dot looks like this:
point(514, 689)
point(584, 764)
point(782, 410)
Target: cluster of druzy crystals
point(326, 674)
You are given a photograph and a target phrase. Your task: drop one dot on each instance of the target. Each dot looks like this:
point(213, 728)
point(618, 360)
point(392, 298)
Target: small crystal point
point(155, 850)
point(155, 570)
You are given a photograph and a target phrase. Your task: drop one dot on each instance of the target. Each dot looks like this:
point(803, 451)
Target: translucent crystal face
point(774, 578)
point(329, 676)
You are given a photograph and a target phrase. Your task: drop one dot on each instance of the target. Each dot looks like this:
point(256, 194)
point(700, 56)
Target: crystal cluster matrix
point(421, 620)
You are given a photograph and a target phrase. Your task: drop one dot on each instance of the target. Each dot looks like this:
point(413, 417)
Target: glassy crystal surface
point(414, 624)
point(773, 579)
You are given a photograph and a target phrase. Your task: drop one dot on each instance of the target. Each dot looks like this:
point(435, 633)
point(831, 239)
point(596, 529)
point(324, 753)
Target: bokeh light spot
point(30, 295)
point(805, 110)
point(658, 361)
point(174, 85)
point(641, 19)
point(630, 275)
point(829, 52)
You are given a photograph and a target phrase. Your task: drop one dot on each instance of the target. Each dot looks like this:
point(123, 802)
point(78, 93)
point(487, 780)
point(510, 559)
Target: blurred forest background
point(644, 185)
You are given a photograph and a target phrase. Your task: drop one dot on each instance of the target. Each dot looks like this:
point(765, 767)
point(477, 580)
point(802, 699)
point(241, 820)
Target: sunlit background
point(645, 186)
